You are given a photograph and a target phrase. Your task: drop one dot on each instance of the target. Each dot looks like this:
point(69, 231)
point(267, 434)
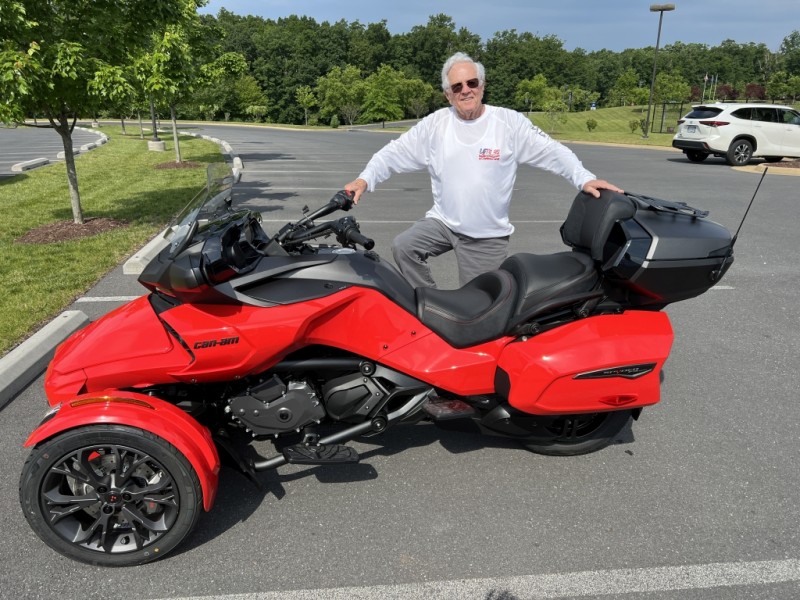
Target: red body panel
point(127, 346)
point(144, 412)
point(226, 342)
point(542, 369)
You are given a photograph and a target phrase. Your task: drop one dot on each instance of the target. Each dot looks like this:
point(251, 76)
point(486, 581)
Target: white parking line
point(106, 298)
point(558, 585)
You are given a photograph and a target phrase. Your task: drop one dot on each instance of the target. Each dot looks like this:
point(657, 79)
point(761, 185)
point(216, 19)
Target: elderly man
point(471, 151)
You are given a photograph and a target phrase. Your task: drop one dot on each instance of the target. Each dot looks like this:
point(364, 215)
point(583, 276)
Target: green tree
point(417, 96)
point(382, 95)
point(671, 87)
point(790, 53)
point(341, 91)
point(626, 90)
point(306, 98)
point(530, 93)
point(54, 52)
point(778, 86)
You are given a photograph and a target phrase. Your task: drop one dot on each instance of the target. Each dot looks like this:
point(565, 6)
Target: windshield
point(208, 204)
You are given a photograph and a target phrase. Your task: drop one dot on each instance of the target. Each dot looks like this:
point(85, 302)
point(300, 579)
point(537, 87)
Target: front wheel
point(739, 153)
point(571, 435)
point(110, 495)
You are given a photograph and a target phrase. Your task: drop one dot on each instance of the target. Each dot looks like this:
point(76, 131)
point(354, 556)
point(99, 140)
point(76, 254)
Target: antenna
point(718, 274)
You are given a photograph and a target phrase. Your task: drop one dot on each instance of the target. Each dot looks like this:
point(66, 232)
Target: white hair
point(460, 57)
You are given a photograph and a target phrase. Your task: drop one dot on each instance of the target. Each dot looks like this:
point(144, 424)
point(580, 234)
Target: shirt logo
point(489, 154)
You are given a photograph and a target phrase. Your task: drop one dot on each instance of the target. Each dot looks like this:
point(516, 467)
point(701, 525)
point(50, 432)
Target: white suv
point(739, 132)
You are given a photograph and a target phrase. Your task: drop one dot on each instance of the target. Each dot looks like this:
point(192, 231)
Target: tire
point(571, 435)
point(696, 155)
point(773, 159)
point(84, 505)
point(739, 153)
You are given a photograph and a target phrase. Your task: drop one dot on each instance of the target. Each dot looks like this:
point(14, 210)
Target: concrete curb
point(29, 164)
point(136, 263)
point(28, 360)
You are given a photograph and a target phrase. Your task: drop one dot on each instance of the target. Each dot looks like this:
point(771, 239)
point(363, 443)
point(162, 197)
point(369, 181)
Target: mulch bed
point(785, 164)
point(61, 231)
point(187, 164)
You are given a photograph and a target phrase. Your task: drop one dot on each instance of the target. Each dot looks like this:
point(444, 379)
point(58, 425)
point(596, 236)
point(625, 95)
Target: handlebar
point(348, 233)
point(343, 200)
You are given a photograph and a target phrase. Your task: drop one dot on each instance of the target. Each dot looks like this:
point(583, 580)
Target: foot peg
point(305, 454)
point(443, 409)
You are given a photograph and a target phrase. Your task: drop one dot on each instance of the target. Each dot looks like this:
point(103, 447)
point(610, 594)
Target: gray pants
point(430, 237)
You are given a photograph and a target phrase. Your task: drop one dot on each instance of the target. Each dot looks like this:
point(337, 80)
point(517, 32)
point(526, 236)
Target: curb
point(28, 360)
point(29, 164)
point(136, 263)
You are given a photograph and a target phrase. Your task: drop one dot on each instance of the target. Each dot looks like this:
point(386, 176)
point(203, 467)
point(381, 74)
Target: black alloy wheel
point(110, 495)
point(571, 435)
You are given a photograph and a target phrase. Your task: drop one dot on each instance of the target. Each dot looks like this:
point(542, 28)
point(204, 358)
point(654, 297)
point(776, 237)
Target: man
point(471, 151)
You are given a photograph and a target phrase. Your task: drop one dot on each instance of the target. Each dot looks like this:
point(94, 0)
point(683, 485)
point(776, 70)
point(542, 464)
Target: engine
point(273, 407)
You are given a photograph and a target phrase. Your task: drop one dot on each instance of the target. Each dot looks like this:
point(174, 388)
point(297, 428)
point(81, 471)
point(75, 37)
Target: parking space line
point(610, 582)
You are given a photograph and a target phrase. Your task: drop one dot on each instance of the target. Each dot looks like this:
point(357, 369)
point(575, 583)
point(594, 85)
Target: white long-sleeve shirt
point(473, 165)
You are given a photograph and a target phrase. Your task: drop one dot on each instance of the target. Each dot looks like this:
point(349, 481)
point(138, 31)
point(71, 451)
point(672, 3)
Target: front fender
point(144, 412)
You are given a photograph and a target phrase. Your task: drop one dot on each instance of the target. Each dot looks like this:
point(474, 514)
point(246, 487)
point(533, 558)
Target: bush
point(335, 122)
point(634, 125)
point(591, 124)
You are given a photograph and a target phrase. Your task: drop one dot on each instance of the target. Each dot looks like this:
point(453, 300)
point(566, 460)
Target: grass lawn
point(612, 127)
point(117, 181)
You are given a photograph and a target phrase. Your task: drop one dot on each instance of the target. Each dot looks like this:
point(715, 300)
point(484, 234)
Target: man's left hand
point(594, 186)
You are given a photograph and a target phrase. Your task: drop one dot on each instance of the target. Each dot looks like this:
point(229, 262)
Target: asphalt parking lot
point(21, 144)
point(697, 501)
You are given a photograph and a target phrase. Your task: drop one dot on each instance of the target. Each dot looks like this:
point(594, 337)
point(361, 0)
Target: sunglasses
point(471, 84)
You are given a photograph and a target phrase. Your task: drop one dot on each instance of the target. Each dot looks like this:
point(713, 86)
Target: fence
point(665, 117)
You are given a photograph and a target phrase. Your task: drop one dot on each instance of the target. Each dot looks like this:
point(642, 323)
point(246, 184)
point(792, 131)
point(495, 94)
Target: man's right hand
point(357, 187)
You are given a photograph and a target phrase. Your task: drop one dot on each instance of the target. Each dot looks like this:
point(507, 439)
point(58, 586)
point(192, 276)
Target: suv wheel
point(739, 153)
point(696, 155)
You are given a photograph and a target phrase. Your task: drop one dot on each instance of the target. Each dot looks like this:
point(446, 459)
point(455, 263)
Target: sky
point(589, 24)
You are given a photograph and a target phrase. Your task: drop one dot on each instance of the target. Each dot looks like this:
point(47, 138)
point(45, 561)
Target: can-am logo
point(212, 343)
point(626, 371)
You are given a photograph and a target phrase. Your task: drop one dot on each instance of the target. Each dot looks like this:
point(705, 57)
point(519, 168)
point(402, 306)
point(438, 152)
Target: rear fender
point(144, 412)
point(602, 363)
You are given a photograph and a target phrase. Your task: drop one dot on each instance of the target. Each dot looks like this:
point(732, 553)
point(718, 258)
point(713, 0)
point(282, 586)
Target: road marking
point(106, 298)
point(558, 585)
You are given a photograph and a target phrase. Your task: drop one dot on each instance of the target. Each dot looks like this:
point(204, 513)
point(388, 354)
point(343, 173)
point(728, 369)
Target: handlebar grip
point(356, 237)
point(343, 199)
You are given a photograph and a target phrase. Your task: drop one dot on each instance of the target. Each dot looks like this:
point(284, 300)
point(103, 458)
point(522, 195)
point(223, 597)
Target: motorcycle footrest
point(304, 454)
point(443, 409)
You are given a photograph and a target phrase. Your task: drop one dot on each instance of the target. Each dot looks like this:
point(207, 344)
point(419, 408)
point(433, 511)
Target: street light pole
point(661, 9)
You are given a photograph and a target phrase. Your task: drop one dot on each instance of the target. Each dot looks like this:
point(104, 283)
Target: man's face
point(466, 101)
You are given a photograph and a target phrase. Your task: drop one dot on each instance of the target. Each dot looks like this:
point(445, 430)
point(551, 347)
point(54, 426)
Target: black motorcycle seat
point(475, 313)
point(544, 278)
